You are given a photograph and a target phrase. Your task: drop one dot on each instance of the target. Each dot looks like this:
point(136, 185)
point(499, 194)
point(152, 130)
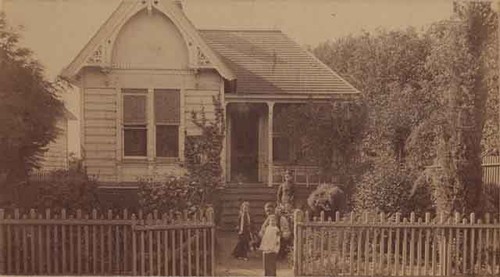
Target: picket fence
point(58, 243)
point(381, 245)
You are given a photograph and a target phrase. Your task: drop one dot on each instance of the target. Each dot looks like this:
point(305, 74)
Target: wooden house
point(57, 155)
point(147, 68)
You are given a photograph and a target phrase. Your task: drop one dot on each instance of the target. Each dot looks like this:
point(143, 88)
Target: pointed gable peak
point(99, 50)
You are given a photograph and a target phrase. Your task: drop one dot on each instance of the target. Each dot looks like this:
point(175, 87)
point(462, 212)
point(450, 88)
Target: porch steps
point(231, 197)
point(258, 195)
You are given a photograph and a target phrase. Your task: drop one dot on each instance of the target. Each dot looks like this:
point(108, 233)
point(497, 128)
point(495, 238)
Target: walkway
point(229, 266)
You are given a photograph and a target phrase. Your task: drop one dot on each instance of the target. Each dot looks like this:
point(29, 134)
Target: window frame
point(150, 125)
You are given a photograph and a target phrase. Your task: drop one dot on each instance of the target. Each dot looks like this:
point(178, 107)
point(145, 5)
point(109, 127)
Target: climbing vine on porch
point(202, 155)
point(203, 152)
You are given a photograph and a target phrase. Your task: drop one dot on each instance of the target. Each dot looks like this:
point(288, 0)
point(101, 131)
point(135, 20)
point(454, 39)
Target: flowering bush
point(328, 198)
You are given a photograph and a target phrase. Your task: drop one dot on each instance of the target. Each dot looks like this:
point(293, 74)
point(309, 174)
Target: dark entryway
point(244, 143)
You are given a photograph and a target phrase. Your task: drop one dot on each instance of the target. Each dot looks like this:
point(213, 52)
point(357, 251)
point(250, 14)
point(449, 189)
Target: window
point(135, 133)
point(163, 118)
point(167, 119)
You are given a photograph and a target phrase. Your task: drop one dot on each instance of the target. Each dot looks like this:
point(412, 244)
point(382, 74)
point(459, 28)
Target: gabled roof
point(97, 52)
point(267, 61)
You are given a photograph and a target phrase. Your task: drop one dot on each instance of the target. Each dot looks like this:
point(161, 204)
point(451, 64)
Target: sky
point(56, 30)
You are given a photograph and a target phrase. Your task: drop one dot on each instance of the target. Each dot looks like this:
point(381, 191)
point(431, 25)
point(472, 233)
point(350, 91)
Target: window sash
point(167, 140)
point(167, 106)
point(135, 108)
point(135, 141)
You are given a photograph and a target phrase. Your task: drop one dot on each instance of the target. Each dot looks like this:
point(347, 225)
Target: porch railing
point(301, 174)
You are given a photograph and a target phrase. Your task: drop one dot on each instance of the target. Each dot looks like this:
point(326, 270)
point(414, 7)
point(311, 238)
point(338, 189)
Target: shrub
point(328, 198)
point(390, 188)
point(68, 189)
point(173, 194)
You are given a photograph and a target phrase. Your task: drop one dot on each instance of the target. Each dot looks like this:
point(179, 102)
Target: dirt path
point(229, 266)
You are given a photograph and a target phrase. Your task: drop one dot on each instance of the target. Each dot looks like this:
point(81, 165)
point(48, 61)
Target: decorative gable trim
point(98, 51)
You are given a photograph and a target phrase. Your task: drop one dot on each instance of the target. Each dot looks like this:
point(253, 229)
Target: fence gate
point(380, 245)
point(113, 244)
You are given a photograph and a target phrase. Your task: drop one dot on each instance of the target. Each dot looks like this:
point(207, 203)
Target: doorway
point(244, 143)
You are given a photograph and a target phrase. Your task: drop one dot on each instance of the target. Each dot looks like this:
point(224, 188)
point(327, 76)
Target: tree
point(464, 77)
point(28, 110)
point(388, 67)
point(429, 99)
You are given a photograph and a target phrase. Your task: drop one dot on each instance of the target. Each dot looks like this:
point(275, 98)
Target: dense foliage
point(28, 111)
point(203, 153)
point(173, 194)
point(390, 189)
point(429, 98)
point(62, 189)
point(388, 68)
point(463, 62)
point(328, 135)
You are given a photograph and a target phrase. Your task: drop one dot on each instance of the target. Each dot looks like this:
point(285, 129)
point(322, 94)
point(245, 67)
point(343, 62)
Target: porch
point(256, 151)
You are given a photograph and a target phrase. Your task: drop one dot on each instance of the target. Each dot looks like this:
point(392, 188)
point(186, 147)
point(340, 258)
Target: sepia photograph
point(250, 138)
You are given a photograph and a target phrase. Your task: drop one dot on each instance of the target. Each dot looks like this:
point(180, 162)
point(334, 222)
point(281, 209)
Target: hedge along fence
point(390, 246)
point(103, 244)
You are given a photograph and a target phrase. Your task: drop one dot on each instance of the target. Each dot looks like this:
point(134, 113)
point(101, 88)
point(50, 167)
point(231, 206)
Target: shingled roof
point(268, 62)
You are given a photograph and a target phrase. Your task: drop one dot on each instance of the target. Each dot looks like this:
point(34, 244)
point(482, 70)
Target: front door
point(244, 145)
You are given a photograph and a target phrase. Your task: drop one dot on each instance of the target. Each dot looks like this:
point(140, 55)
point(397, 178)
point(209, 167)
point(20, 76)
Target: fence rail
point(58, 243)
point(364, 245)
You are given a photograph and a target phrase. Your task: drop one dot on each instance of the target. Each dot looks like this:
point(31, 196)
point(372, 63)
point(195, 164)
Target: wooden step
point(258, 195)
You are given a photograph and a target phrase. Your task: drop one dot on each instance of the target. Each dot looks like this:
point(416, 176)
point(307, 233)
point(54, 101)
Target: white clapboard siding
point(100, 132)
point(100, 123)
point(56, 156)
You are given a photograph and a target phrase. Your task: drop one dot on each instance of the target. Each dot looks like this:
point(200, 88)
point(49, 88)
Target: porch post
point(270, 107)
point(227, 145)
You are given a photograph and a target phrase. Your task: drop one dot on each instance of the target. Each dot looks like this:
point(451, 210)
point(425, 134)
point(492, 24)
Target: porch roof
point(269, 62)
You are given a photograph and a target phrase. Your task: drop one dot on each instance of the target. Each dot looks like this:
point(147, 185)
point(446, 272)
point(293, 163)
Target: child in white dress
point(271, 240)
point(270, 246)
